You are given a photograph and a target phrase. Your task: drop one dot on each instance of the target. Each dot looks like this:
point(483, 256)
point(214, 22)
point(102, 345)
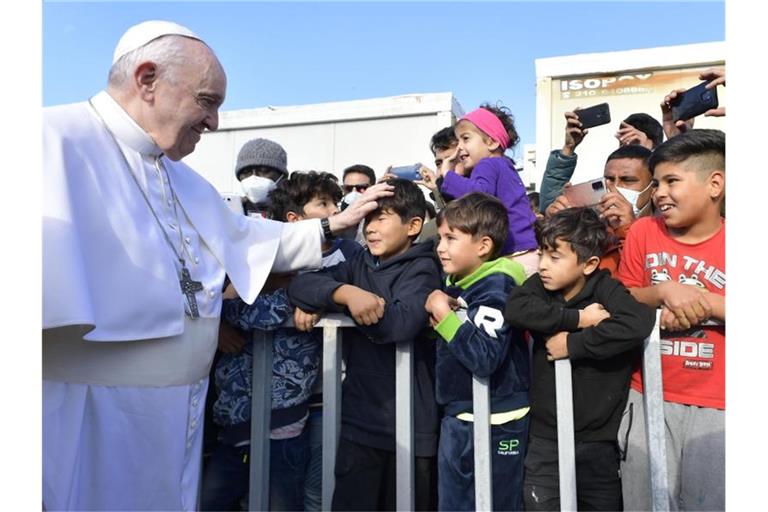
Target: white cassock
point(125, 370)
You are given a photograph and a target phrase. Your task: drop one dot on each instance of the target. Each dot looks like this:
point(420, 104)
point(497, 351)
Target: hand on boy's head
point(362, 206)
point(304, 321)
point(230, 340)
point(673, 128)
point(439, 304)
point(557, 346)
point(560, 203)
point(573, 132)
point(686, 302)
point(615, 208)
point(628, 134)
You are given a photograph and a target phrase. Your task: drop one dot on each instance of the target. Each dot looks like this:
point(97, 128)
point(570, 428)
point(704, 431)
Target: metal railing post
point(261, 411)
point(481, 425)
point(566, 449)
point(404, 477)
point(331, 404)
point(653, 405)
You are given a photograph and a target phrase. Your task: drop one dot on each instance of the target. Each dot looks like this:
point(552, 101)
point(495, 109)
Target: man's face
point(356, 181)
point(631, 173)
point(185, 109)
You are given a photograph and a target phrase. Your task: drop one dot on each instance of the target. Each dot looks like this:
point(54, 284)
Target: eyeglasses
point(360, 188)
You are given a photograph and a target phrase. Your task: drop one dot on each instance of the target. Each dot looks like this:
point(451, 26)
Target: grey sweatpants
point(695, 439)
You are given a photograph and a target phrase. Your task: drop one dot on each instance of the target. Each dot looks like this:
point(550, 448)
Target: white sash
point(159, 362)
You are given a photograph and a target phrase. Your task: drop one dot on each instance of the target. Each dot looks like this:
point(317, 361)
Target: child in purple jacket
point(484, 134)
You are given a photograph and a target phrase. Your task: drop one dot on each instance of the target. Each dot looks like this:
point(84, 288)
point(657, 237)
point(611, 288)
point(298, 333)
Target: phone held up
point(596, 115)
point(407, 172)
point(693, 102)
point(586, 194)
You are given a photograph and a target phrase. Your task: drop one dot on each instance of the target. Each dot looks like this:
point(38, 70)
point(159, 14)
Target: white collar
point(123, 126)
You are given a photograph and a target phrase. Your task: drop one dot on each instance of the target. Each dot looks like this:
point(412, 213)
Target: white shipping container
point(330, 136)
point(629, 81)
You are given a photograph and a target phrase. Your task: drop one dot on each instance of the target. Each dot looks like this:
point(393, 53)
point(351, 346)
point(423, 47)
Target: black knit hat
point(262, 152)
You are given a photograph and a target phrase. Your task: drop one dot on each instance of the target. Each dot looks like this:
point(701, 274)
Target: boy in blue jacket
point(475, 339)
point(383, 289)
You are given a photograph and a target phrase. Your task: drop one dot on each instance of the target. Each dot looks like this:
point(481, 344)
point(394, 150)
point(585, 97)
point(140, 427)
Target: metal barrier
point(261, 410)
point(653, 401)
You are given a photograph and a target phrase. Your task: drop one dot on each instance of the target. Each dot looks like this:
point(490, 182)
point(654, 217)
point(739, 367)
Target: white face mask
point(632, 196)
point(257, 188)
point(351, 197)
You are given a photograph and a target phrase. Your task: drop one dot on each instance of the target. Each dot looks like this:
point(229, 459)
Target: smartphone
point(234, 202)
point(693, 102)
point(586, 194)
point(407, 172)
point(594, 116)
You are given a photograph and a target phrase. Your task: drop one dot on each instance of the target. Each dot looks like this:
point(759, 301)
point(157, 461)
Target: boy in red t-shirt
point(676, 261)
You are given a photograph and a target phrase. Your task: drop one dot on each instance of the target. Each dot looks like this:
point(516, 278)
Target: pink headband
point(490, 124)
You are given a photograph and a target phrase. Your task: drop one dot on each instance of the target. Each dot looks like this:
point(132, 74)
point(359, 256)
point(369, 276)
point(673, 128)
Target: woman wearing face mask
point(261, 164)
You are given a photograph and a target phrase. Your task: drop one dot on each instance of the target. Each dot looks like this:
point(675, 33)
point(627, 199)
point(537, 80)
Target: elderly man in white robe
point(136, 248)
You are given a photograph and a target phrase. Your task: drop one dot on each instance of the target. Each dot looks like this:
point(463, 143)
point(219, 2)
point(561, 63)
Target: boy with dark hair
point(296, 358)
point(576, 311)
point(474, 339)
point(676, 261)
point(383, 289)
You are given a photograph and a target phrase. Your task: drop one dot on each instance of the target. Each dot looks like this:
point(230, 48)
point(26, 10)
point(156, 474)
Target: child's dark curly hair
point(506, 118)
point(293, 193)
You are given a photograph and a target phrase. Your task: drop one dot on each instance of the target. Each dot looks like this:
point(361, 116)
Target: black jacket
point(602, 357)
point(368, 390)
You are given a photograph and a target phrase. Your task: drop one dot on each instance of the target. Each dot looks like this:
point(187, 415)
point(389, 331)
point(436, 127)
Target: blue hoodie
point(476, 339)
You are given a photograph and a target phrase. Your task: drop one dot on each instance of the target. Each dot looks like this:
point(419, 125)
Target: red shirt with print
point(693, 361)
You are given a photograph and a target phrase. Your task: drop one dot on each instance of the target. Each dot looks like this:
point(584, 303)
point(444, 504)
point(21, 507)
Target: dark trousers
point(365, 479)
point(227, 474)
point(598, 484)
point(456, 464)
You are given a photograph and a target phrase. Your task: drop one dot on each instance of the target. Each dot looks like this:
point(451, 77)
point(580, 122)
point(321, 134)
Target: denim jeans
point(226, 475)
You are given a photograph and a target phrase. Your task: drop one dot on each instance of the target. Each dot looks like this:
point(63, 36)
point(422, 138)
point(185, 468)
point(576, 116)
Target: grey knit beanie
point(262, 152)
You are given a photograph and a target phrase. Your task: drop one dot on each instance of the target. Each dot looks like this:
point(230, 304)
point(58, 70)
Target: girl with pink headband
point(484, 134)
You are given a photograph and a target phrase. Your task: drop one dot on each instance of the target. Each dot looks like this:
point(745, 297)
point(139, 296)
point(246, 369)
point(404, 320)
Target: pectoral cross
point(188, 288)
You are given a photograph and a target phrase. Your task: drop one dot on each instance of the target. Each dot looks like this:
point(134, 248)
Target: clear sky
point(292, 53)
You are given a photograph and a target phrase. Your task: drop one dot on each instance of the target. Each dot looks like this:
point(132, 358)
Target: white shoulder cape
point(106, 264)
